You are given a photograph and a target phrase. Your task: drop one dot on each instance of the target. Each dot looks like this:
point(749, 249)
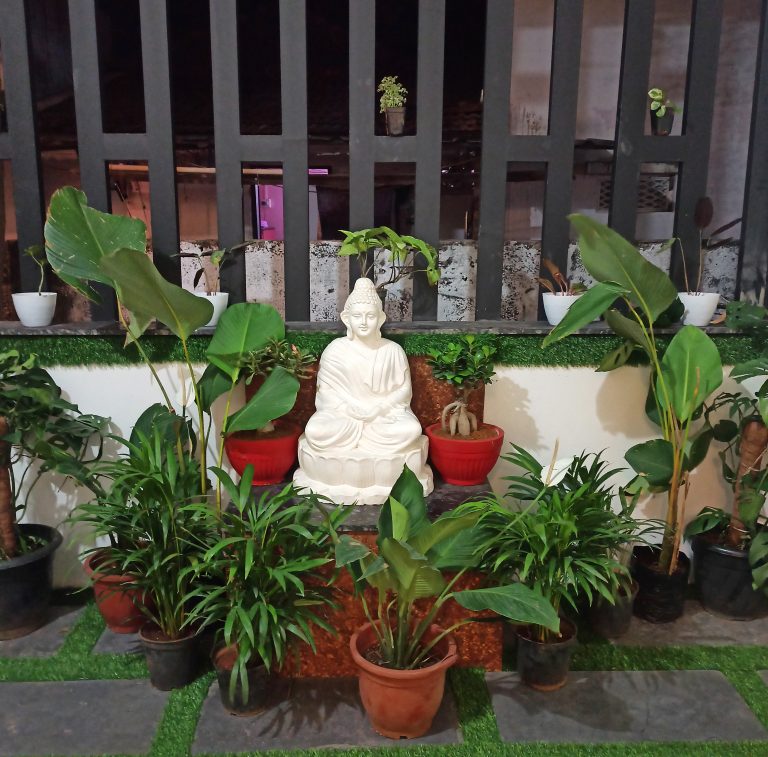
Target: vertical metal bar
point(162, 163)
point(563, 100)
point(703, 52)
point(753, 261)
point(362, 93)
point(226, 135)
point(429, 137)
point(293, 83)
point(631, 114)
point(90, 129)
point(22, 136)
point(497, 80)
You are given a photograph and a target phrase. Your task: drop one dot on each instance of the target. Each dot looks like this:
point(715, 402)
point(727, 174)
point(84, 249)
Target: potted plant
point(263, 584)
point(682, 377)
point(561, 293)
point(662, 111)
point(392, 104)
point(401, 653)
point(271, 449)
point(559, 539)
point(35, 308)
point(40, 433)
point(463, 451)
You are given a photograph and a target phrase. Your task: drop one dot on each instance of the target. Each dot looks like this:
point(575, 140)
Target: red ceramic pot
point(272, 455)
point(401, 703)
point(464, 462)
point(118, 603)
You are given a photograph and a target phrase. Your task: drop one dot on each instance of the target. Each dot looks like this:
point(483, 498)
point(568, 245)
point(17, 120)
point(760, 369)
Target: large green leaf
point(691, 369)
point(756, 368)
point(407, 490)
point(77, 237)
point(349, 550)
point(242, 328)
point(212, 384)
point(394, 521)
point(593, 303)
point(654, 460)
point(147, 294)
point(462, 550)
point(609, 257)
point(276, 397)
point(404, 562)
point(629, 328)
point(697, 448)
point(443, 528)
point(515, 602)
point(616, 358)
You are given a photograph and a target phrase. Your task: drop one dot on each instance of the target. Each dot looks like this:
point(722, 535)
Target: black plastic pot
point(259, 684)
point(172, 663)
point(723, 579)
point(661, 598)
point(395, 121)
point(612, 621)
point(25, 585)
point(661, 127)
point(545, 666)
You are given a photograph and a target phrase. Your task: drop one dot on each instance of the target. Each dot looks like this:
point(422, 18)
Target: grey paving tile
point(79, 717)
point(46, 640)
point(309, 714)
point(117, 643)
point(697, 626)
point(599, 707)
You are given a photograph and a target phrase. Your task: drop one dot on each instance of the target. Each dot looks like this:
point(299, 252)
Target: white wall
point(536, 407)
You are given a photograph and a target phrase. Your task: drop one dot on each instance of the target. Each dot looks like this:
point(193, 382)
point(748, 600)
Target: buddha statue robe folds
point(364, 431)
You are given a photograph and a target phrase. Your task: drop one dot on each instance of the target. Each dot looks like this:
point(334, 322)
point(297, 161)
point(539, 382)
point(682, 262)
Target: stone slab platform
point(309, 714)
point(79, 717)
point(696, 626)
point(626, 706)
point(46, 640)
point(117, 643)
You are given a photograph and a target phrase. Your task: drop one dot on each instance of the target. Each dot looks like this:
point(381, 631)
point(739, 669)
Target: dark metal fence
point(555, 149)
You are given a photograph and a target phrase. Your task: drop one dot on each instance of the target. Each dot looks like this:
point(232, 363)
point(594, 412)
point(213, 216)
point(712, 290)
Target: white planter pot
point(35, 309)
point(699, 307)
point(219, 300)
point(556, 306)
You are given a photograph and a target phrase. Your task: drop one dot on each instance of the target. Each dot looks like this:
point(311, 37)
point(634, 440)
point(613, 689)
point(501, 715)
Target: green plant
point(561, 537)
point(564, 286)
point(263, 582)
point(392, 93)
point(753, 320)
point(41, 433)
point(660, 104)
point(466, 365)
point(682, 377)
point(37, 253)
point(412, 554)
point(218, 259)
point(367, 244)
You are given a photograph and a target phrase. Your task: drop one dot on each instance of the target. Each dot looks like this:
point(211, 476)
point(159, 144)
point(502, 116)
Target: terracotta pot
point(464, 462)
point(271, 456)
point(118, 604)
point(544, 666)
point(394, 118)
point(401, 703)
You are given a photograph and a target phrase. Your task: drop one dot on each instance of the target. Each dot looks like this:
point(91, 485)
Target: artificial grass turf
point(176, 731)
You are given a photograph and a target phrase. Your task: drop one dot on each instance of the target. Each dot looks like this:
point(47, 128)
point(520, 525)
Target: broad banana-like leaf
point(276, 397)
point(629, 328)
point(654, 460)
point(243, 328)
point(515, 602)
point(407, 490)
point(616, 358)
point(349, 550)
point(443, 528)
point(148, 295)
point(691, 369)
point(394, 521)
point(697, 447)
point(212, 384)
point(77, 237)
point(609, 257)
point(404, 562)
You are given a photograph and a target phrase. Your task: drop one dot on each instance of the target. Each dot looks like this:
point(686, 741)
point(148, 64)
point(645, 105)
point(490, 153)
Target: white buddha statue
point(354, 447)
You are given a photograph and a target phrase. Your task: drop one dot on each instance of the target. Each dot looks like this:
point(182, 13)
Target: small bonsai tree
point(465, 365)
point(660, 103)
point(559, 284)
point(392, 93)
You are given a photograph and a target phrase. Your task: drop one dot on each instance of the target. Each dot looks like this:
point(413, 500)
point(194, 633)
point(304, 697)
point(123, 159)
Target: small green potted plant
point(401, 654)
point(35, 309)
point(662, 111)
point(561, 293)
point(392, 104)
point(463, 450)
point(263, 585)
point(40, 433)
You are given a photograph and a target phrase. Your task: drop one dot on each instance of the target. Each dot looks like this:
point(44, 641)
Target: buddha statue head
point(363, 314)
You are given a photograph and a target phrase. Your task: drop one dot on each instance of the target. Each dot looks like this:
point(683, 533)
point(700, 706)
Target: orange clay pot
point(401, 703)
point(118, 603)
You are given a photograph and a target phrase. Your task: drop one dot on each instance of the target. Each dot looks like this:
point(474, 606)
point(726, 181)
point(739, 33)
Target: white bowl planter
point(219, 300)
point(699, 307)
point(557, 305)
point(35, 309)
